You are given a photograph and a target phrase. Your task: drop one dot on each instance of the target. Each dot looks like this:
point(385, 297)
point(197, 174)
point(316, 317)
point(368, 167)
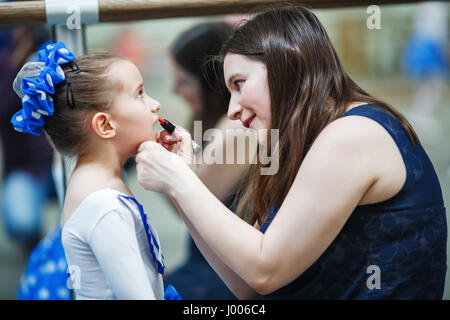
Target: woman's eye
point(237, 83)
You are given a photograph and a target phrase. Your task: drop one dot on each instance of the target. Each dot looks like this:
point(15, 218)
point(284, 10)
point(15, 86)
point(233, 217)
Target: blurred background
point(378, 59)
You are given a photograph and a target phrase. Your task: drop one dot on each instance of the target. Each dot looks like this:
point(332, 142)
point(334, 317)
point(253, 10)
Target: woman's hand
point(160, 170)
point(181, 146)
point(166, 140)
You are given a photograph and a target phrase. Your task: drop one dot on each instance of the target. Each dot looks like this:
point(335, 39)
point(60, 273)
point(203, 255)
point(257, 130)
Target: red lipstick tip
point(161, 120)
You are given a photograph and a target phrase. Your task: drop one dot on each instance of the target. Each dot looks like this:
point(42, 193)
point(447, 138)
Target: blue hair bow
point(37, 101)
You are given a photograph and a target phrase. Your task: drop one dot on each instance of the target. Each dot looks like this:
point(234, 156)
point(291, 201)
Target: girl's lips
point(247, 121)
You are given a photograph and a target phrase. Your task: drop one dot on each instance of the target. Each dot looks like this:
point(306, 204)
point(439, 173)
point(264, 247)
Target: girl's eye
point(141, 93)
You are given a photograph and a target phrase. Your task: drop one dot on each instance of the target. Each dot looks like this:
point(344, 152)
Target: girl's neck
point(102, 162)
point(99, 167)
point(94, 171)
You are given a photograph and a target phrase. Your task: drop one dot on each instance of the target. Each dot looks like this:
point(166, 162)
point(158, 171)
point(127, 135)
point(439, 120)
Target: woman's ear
point(103, 125)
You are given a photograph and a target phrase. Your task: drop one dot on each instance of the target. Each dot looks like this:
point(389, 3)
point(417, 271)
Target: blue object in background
point(22, 217)
point(424, 57)
point(45, 277)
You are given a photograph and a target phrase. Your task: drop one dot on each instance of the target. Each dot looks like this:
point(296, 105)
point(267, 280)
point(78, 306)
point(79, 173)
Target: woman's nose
point(234, 111)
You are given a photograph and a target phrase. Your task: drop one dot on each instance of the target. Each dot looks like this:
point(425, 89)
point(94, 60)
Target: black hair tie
point(77, 69)
point(69, 94)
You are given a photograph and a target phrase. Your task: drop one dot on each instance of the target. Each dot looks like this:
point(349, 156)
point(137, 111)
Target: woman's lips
point(247, 121)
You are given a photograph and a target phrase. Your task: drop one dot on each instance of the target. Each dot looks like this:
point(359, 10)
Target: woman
point(195, 279)
point(355, 192)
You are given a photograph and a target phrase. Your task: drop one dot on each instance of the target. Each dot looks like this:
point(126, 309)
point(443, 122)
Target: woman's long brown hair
point(308, 90)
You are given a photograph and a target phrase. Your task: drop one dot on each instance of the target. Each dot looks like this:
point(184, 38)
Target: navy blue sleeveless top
point(395, 249)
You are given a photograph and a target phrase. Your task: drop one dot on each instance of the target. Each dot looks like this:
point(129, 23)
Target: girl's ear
point(103, 125)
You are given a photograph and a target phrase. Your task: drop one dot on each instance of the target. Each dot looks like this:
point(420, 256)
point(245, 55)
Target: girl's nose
point(154, 105)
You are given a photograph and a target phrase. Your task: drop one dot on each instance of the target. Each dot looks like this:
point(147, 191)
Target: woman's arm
point(338, 170)
point(228, 174)
point(236, 284)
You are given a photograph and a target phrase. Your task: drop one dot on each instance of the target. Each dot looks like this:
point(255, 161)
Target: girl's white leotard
point(108, 252)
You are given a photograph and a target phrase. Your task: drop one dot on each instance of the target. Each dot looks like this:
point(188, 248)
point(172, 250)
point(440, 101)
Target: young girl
point(95, 108)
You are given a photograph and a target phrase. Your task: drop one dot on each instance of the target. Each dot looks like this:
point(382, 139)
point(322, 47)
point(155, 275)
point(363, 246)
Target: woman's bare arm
point(236, 284)
point(339, 169)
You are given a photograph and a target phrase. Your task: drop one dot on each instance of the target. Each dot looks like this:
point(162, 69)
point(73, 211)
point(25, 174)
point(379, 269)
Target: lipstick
point(166, 124)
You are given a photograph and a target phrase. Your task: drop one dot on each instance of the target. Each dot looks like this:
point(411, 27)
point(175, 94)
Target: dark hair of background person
point(308, 89)
point(192, 50)
point(20, 152)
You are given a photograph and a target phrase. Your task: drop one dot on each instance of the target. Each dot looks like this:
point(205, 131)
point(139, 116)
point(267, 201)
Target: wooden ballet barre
point(21, 12)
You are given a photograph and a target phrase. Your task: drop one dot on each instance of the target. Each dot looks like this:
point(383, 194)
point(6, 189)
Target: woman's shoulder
point(363, 147)
point(358, 128)
point(352, 130)
point(358, 138)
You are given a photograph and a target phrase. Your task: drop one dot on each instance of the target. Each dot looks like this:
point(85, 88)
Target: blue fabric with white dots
point(45, 276)
point(403, 238)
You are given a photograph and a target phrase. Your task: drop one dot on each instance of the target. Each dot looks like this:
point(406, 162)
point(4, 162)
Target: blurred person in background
point(425, 61)
point(27, 159)
point(196, 83)
point(28, 182)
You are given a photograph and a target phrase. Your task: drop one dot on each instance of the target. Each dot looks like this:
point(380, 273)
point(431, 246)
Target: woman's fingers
point(166, 140)
point(180, 133)
point(181, 145)
point(165, 145)
point(166, 137)
point(156, 167)
point(184, 138)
